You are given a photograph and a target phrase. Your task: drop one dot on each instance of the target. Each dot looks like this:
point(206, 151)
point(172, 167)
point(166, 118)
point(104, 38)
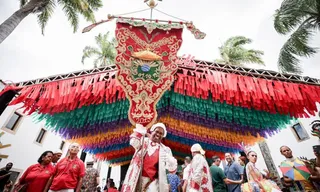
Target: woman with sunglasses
point(257, 182)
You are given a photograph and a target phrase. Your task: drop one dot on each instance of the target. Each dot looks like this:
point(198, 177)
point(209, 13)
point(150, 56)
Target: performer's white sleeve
point(136, 136)
point(135, 143)
point(169, 159)
point(186, 172)
point(197, 172)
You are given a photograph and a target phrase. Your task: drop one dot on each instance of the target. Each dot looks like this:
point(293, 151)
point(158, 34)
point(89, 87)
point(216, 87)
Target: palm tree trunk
point(13, 21)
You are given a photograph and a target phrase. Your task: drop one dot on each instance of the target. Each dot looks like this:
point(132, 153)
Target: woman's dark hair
point(215, 158)
point(43, 155)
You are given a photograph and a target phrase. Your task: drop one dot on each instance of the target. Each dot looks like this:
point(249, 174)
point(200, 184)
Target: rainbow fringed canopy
point(215, 105)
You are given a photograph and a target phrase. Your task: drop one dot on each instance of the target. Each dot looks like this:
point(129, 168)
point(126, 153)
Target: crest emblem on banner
point(146, 55)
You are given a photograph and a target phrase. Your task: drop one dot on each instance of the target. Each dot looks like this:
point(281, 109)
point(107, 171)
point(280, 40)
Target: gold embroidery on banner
point(144, 94)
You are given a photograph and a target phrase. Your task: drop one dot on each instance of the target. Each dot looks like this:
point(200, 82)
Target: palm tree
point(45, 9)
point(104, 54)
point(232, 52)
point(302, 17)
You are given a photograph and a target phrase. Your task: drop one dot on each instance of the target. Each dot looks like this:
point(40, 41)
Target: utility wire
point(133, 12)
point(170, 15)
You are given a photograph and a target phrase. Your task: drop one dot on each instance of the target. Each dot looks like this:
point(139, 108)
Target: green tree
point(301, 19)
point(104, 54)
point(233, 52)
point(44, 10)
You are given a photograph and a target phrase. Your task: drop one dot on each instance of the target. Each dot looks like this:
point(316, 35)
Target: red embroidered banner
point(146, 64)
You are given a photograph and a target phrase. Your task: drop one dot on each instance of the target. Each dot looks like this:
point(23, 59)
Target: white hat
point(159, 125)
point(197, 148)
point(172, 164)
point(57, 152)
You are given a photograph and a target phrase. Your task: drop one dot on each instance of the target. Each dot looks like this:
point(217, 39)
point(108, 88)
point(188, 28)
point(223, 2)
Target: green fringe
point(103, 113)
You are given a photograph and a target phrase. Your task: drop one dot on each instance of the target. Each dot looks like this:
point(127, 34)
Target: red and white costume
point(156, 158)
point(199, 175)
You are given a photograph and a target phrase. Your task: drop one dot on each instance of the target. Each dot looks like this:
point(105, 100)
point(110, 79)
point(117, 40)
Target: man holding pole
point(147, 170)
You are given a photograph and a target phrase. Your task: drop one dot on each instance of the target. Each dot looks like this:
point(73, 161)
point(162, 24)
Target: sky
point(26, 54)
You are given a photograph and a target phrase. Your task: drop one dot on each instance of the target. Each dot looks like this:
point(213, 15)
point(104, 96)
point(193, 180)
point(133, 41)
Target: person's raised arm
point(137, 135)
point(4, 176)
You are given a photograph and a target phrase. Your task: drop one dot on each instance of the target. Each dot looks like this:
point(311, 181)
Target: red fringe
point(69, 94)
point(250, 92)
point(244, 91)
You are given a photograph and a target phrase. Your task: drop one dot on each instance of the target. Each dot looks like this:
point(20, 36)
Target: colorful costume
point(301, 186)
point(199, 176)
point(256, 182)
point(156, 158)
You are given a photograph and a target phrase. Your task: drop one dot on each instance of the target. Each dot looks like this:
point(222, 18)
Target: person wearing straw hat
point(199, 177)
point(147, 170)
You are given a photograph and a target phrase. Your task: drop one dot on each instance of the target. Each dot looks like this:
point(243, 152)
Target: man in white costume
point(187, 161)
point(150, 161)
point(199, 178)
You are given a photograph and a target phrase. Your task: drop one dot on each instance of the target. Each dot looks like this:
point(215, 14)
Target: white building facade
point(29, 140)
point(298, 138)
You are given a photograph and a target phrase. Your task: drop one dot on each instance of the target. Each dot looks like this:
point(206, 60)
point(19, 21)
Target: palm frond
point(96, 62)
point(296, 45)
point(71, 13)
point(237, 41)
point(233, 52)
point(89, 52)
point(95, 4)
point(105, 52)
point(83, 7)
point(294, 12)
point(45, 15)
point(253, 56)
point(240, 40)
point(102, 40)
point(88, 15)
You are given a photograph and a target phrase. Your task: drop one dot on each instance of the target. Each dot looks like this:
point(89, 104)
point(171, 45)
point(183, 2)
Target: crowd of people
point(242, 176)
point(154, 169)
point(152, 156)
point(54, 175)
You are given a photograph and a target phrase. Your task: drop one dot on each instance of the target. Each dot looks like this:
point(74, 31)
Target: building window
point(13, 121)
point(300, 132)
point(41, 135)
point(62, 145)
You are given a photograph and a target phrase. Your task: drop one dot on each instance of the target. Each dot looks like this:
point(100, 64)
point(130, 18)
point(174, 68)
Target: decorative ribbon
point(275, 97)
